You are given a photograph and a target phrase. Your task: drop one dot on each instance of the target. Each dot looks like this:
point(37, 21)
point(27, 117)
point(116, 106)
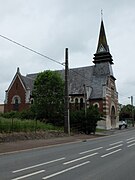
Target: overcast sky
point(49, 26)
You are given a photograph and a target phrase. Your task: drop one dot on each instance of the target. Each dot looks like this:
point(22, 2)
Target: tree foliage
point(48, 95)
point(85, 123)
point(126, 111)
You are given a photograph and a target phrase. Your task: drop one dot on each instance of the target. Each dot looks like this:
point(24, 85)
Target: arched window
point(16, 100)
point(96, 104)
point(32, 101)
point(81, 103)
point(113, 117)
point(76, 103)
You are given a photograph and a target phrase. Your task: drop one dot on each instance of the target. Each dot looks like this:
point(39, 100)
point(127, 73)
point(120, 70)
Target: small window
point(72, 99)
point(81, 103)
point(76, 103)
point(16, 101)
point(96, 104)
point(32, 101)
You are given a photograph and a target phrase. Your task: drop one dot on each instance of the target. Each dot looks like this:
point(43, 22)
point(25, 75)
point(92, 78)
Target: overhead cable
point(36, 52)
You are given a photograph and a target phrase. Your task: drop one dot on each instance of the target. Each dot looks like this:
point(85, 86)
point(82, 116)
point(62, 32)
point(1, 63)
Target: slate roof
point(28, 82)
point(97, 84)
point(77, 78)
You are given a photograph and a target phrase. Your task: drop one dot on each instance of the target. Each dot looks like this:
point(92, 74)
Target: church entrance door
point(113, 120)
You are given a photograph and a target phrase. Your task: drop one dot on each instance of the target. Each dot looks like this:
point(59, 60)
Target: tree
point(92, 117)
point(126, 111)
point(85, 123)
point(48, 95)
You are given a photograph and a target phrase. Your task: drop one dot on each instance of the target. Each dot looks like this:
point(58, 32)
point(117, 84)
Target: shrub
point(85, 123)
point(26, 114)
point(11, 114)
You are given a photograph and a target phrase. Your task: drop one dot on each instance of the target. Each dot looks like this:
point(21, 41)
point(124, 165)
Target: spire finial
point(101, 14)
point(18, 70)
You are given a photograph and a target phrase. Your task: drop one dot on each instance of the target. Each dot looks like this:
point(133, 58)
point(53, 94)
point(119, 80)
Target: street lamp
point(132, 110)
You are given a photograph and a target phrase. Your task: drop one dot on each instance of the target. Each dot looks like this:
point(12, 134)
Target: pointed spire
point(102, 54)
point(102, 42)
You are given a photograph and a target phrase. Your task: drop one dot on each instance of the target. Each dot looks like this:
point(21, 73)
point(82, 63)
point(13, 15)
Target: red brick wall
point(99, 101)
point(16, 89)
point(91, 102)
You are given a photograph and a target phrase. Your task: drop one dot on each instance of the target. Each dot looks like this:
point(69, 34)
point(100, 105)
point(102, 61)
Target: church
point(91, 85)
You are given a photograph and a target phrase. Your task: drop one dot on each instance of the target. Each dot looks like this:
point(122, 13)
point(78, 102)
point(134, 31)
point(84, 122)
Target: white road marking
point(65, 170)
point(84, 152)
point(131, 145)
point(129, 138)
point(131, 141)
point(28, 175)
point(111, 153)
point(116, 143)
point(114, 147)
point(37, 165)
point(78, 159)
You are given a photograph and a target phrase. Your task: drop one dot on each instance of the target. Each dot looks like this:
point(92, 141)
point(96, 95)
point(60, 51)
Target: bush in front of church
point(85, 121)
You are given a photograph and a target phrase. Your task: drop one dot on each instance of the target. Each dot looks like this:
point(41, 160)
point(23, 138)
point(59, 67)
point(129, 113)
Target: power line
point(36, 52)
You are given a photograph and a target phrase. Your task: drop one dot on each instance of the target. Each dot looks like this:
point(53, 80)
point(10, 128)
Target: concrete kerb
point(10, 148)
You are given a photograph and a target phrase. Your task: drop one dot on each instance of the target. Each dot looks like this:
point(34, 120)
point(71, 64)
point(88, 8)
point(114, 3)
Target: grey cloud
point(52, 25)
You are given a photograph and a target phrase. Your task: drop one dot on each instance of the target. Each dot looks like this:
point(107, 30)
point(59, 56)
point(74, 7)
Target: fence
point(16, 125)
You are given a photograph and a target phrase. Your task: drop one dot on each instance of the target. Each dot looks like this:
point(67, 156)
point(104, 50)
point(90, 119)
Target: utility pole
point(132, 111)
point(66, 116)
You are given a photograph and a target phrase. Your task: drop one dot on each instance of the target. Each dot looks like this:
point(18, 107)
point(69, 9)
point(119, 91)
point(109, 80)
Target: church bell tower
point(103, 73)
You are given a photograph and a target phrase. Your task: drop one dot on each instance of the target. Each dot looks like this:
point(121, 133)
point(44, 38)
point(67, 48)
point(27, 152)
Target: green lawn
point(100, 130)
point(17, 125)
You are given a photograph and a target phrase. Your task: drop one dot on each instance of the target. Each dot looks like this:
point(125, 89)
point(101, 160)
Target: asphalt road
point(105, 158)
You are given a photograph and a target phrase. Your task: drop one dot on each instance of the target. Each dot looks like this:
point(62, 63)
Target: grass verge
point(17, 125)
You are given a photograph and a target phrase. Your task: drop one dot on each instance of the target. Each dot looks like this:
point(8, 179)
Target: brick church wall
point(16, 89)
